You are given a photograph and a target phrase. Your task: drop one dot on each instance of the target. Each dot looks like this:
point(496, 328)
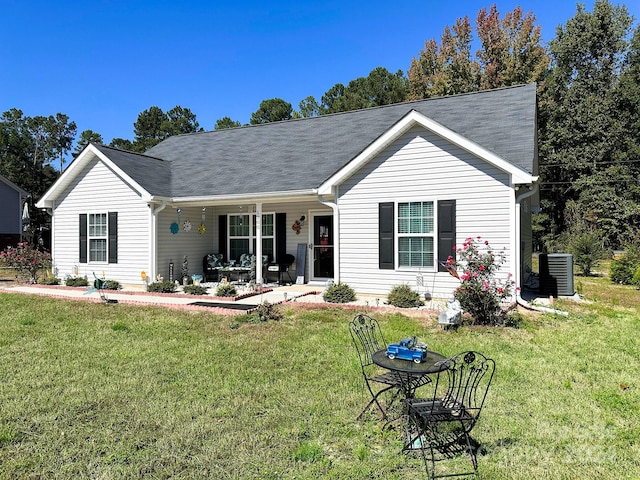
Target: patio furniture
point(211, 265)
point(440, 425)
point(282, 266)
point(367, 338)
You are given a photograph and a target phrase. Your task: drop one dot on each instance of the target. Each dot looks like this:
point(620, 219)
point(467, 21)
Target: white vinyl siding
point(420, 166)
point(98, 190)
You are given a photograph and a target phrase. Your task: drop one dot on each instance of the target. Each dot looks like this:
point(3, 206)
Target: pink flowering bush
point(480, 293)
point(26, 259)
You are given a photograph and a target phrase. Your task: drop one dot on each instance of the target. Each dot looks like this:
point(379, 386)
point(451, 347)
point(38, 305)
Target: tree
point(272, 110)
point(148, 129)
point(226, 122)
point(581, 131)
point(62, 135)
point(511, 52)
point(446, 69)
point(28, 145)
point(380, 87)
point(87, 137)
point(153, 126)
point(122, 144)
point(180, 121)
point(309, 107)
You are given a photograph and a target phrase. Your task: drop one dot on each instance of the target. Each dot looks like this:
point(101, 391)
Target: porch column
point(258, 252)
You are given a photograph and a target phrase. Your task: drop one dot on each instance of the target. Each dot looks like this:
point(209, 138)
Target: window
point(416, 234)
point(242, 235)
point(97, 237)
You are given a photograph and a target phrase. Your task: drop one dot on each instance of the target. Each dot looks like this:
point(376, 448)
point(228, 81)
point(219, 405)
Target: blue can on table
point(407, 349)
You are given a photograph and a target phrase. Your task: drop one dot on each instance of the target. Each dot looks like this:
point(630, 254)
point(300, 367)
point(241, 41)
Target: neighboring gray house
point(373, 198)
point(12, 198)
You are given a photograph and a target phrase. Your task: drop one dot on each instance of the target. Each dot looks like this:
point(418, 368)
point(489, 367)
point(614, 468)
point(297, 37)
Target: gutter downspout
point(153, 239)
point(519, 300)
point(336, 234)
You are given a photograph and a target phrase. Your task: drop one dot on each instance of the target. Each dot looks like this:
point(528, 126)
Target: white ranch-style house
point(372, 198)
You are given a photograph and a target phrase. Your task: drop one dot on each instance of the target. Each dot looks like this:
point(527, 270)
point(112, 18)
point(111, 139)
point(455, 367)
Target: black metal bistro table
point(408, 370)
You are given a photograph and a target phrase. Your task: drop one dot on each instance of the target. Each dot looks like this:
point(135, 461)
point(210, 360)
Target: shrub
point(26, 259)
point(195, 289)
point(587, 250)
point(404, 297)
point(51, 281)
point(76, 282)
point(111, 285)
point(623, 268)
point(226, 290)
point(264, 313)
point(480, 293)
point(167, 286)
point(339, 293)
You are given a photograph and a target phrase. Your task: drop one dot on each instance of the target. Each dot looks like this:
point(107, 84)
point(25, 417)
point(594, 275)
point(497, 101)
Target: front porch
point(301, 236)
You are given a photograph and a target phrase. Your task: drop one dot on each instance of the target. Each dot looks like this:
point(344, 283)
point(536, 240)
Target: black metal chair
point(367, 338)
point(440, 426)
point(282, 266)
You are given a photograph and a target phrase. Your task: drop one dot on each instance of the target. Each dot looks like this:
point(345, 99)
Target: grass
point(121, 391)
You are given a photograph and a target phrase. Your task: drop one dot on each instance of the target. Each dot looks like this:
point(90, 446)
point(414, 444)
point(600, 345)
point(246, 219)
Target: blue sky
point(104, 62)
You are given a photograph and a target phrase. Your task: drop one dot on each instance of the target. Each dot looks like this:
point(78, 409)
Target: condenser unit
point(556, 274)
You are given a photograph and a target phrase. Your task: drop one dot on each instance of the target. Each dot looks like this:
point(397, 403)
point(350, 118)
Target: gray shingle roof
point(302, 154)
point(152, 174)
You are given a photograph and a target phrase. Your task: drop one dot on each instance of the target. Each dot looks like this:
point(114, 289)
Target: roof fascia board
point(411, 119)
point(292, 196)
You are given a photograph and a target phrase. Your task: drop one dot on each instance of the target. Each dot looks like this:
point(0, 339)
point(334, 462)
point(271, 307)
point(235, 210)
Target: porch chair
point(367, 338)
point(283, 266)
point(440, 426)
point(211, 265)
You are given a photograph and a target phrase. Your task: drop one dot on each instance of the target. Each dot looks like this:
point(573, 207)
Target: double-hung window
point(242, 234)
point(98, 237)
point(416, 234)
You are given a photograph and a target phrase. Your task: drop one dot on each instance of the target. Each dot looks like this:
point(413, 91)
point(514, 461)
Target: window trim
point(252, 233)
point(398, 235)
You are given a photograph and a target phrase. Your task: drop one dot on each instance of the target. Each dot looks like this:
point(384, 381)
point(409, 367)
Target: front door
point(322, 247)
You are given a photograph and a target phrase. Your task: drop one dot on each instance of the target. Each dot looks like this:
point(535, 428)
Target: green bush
point(226, 290)
point(404, 297)
point(50, 281)
point(195, 289)
point(636, 278)
point(587, 250)
point(339, 293)
point(111, 285)
point(623, 268)
point(167, 286)
point(76, 282)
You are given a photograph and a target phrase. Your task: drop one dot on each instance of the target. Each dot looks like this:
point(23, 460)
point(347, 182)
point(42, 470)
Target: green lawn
point(121, 391)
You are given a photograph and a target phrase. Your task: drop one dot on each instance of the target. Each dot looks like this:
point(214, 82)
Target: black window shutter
point(113, 237)
point(446, 231)
point(222, 236)
point(281, 236)
point(386, 236)
point(82, 256)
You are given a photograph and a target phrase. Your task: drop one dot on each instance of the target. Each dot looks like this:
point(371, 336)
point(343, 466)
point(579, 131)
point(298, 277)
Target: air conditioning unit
point(556, 274)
